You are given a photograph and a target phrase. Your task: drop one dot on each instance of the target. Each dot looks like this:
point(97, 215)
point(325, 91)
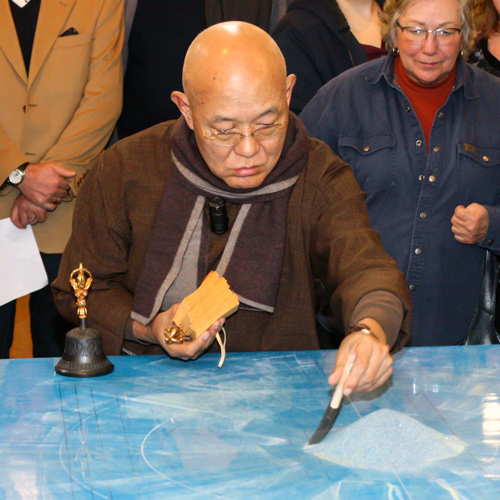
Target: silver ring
point(33, 219)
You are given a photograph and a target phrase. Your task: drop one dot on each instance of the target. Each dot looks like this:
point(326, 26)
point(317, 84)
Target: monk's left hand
point(470, 224)
point(372, 364)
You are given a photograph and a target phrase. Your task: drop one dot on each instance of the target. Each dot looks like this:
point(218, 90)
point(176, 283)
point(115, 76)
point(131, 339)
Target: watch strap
point(358, 327)
point(24, 166)
point(21, 168)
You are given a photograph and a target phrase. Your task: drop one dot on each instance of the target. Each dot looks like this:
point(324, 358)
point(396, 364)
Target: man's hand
point(45, 184)
point(469, 225)
point(187, 350)
point(25, 213)
point(372, 364)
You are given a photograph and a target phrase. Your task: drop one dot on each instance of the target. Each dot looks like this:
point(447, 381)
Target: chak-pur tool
point(333, 409)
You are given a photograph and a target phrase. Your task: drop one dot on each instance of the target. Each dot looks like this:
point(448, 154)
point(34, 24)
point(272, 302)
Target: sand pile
point(386, 440)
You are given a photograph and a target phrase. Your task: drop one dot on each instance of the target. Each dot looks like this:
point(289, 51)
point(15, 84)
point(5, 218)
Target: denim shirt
point(411, 195)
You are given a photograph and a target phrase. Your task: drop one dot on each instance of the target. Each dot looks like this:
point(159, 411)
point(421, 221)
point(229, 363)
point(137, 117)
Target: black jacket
point(317, 44)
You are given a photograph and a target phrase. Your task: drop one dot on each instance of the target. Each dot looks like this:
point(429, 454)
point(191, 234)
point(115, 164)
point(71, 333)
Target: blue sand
point(389, 441)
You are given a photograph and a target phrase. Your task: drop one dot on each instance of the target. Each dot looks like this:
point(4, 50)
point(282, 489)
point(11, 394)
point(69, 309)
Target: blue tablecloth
point(158, 428)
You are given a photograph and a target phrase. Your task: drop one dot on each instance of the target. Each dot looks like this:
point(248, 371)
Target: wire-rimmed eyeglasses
point(233, 137)
point(417, 35)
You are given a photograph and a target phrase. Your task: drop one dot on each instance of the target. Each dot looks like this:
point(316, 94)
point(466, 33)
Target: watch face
point(16, 176)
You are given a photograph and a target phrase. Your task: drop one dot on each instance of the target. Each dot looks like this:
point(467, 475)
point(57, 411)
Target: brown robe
point(328, 237)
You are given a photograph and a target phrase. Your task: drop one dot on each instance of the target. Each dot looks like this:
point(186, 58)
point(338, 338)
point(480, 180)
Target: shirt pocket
point(372, 159)
point(478, 173)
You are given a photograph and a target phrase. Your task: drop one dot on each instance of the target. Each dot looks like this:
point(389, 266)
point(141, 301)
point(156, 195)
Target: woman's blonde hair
point(486, 18)
point(393, 9)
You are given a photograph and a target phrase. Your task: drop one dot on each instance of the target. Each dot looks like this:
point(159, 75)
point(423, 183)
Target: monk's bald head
point(236, 101)
point(229, 56)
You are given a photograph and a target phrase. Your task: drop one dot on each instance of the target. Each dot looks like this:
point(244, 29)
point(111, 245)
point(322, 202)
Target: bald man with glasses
point(294, 215)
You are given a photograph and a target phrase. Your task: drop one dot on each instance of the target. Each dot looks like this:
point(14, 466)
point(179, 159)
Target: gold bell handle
point(80, 280)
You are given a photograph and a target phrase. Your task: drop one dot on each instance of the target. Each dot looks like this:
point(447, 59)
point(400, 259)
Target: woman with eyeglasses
point(420, 130)
point(486, 54)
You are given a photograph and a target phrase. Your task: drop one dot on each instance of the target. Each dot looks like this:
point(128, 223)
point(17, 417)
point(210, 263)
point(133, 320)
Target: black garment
point(484, 59)
point(160, 36)
point(318, 45)
point(25, 20)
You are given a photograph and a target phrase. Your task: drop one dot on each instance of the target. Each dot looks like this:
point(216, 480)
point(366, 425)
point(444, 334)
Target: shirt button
point(418, 143)
point(418, 251)
point(408, 109)
point(421, 177)
point(486, 159)
point(423, 215)
point(436, 149)
point(432, 178)
point(412, 288)
point(366, 149)
point(490, 242)
point(440, 116)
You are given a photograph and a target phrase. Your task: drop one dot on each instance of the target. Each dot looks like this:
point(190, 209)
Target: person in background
point(295, 213)
point(60, 97)
point(322, 38)
point(277, 12)
point(157, 36)
point(420, 130)
point(486, 54)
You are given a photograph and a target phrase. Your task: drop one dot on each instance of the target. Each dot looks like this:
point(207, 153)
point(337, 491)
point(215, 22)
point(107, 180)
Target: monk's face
point(240, 128)
point(236, 101)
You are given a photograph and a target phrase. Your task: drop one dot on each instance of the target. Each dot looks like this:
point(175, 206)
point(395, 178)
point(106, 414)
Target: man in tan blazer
point(60, 97)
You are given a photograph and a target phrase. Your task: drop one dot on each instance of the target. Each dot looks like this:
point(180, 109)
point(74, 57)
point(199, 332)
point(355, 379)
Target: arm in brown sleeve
point(349, 257)
point(384, 307)
point(100, 240)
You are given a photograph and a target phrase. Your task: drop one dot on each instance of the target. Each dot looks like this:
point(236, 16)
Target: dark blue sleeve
point(318, 118)
point(491, 240)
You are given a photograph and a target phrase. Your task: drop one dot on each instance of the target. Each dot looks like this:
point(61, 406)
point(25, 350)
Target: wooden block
point(212, 300)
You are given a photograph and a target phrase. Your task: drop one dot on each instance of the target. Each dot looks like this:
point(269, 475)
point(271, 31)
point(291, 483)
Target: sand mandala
point(386, 440)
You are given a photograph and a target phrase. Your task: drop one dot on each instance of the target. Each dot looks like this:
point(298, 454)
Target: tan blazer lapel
point(9, 43)
point(51, 19)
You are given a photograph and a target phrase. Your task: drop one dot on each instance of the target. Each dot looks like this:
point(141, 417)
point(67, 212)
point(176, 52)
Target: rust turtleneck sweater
point(425, 99)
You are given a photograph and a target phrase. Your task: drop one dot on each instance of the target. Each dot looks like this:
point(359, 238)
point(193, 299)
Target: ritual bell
point(83, 354)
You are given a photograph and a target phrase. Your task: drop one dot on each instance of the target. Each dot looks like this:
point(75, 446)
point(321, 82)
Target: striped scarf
point(176, 260)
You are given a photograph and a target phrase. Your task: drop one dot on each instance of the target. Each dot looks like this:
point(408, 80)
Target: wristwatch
point(360, 328)
point(16, 176)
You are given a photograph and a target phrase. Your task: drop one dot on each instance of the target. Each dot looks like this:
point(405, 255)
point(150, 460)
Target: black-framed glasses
point(418, 36)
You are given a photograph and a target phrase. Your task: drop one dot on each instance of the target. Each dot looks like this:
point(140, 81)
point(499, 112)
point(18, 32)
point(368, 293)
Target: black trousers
point(48, 327)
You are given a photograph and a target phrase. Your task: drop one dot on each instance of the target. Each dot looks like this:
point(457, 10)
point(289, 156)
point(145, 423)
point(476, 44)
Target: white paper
point(21, 267)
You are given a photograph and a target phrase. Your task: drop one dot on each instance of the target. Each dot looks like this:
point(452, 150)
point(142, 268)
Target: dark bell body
point(83, 355)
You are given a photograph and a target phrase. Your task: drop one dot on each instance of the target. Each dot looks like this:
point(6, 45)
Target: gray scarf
point(176, 260)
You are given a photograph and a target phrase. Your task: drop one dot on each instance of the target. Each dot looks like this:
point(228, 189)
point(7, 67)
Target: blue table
point(158, 428)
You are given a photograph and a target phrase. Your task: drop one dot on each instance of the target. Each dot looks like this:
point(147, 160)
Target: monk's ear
point(181, 101)
point(290, 83)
